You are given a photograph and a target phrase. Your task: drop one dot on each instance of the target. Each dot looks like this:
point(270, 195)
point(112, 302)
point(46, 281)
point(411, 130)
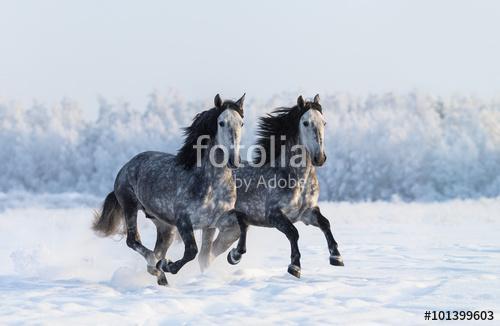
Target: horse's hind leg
point(185, 229)
point(133, 237)
point(164, 238)
point(205, 255)
point(322, 222)
point(279, 220)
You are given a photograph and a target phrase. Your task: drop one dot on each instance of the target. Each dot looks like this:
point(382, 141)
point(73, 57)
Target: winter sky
point(126, 49)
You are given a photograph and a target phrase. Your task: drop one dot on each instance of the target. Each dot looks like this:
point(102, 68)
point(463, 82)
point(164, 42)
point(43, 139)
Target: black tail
point(109, 220)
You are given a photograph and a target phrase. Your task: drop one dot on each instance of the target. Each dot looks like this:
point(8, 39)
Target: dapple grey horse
point(289, 147)
point(185, 191)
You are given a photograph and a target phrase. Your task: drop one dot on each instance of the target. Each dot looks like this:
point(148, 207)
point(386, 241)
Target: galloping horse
point(185, 191)
point(291, 142)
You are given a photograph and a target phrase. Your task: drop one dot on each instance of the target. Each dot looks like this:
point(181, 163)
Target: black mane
point(281, 122)
point(204, 123)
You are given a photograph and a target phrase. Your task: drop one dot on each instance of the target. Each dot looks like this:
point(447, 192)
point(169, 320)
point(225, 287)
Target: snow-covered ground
point(400, 260)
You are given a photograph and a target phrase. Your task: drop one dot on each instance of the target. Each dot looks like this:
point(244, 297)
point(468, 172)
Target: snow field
point(401, 260)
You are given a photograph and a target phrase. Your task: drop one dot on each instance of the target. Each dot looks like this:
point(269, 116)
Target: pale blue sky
point(126, 49)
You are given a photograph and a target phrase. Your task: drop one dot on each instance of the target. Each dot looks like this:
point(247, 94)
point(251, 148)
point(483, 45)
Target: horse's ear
point(316, 99)
point(218, 101)
point(301, 102)
point(241, 100)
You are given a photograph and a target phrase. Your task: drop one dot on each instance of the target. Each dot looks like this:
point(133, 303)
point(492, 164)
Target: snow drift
point(412, 146)
point(401, 260)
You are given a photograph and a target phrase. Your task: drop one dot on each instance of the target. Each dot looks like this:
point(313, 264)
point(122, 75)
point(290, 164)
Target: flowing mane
point(281, 122)
point(204, 123)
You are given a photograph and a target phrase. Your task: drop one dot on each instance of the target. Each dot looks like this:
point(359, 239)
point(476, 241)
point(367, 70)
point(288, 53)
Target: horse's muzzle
point(319, 160)
point(232, 163)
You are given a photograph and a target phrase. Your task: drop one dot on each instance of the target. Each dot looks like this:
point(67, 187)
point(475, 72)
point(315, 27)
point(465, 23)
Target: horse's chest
point(213, 200)
point(304, 197)
point(310, 193)
point(219, 198)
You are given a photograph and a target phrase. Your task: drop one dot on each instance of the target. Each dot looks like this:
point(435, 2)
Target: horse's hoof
point(171, 268)
point(153, 270)
point(164, 265)
point(294, 270)
point(336, 261)
point(233, 257)
point(162, 280)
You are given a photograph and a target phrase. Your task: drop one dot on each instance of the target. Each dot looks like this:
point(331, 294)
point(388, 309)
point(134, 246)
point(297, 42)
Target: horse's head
point(312, 129)
point(229, 125)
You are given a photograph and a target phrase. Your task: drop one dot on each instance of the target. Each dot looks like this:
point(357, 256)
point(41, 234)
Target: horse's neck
point(211, 171)
point(304, 171)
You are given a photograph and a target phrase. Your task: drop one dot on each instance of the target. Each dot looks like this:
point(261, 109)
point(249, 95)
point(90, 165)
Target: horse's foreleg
point(234, 256)
point(279, 220)
point(185, 229)
point(322, 222)
point(205, 255)
point(228, 234)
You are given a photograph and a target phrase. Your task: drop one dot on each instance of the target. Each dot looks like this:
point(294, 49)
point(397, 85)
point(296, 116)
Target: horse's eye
point(242, 124)
point(324, 123)
point(306, 123)
point(221, 123)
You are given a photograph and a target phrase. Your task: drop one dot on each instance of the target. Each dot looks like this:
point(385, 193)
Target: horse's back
point(131, 171)
point(142, 171)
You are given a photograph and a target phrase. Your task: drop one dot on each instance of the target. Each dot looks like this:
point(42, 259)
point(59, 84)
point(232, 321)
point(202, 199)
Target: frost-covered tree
point(412, 146)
